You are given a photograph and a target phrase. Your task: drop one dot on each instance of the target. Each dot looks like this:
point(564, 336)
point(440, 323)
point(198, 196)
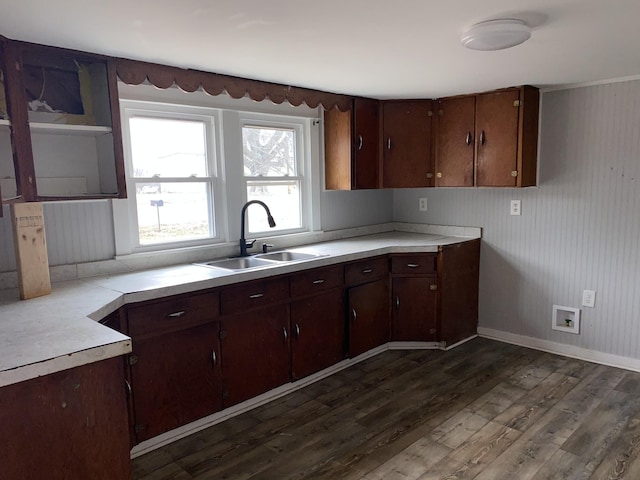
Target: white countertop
point(55, 332)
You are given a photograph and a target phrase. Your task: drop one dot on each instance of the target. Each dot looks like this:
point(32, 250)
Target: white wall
point(580, 229)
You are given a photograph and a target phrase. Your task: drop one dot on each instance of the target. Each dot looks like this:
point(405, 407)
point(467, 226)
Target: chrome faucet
point(244, 244)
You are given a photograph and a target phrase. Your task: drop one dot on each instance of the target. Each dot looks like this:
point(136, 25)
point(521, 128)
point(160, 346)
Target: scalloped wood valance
point(134, 72)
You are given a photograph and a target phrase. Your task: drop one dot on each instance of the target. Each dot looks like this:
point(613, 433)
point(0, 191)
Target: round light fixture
point(496, 34)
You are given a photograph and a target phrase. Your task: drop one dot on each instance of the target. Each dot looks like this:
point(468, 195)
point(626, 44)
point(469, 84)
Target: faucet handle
point(249, 243)
point(266, 247)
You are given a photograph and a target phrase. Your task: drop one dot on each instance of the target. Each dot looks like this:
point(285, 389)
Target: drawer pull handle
point(318, 282)
point(256, 295)
point(128, 387)
point(177, 314)
point(367, 270)
point(214, 357)
point(413, 265)
point(297, 330)
point(285, 334)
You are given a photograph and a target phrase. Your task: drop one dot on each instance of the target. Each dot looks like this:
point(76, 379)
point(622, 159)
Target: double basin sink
point(262, 260)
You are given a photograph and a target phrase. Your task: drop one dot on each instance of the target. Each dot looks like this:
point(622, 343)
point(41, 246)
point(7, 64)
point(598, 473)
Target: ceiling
point(374, 48)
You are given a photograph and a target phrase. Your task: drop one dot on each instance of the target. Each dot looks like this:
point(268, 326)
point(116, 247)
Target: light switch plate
point(588, 298)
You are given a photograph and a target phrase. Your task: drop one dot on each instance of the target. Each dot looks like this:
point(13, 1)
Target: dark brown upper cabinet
point(507, 138)
point(455, 141)
point(351, 143)
point(63, 117)
point(407, 159)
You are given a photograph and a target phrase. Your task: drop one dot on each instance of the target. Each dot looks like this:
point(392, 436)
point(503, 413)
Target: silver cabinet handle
point(355, 315)
point(397, 302)
point(468, 139)
point(214, 357)
point(389, 143)
point(128, 387)
point(297, 330)
point(413, 265)
point(318, 282)
point(367, 270)
point(177, 314)
point(256, 295)
point(285, 334)
point(483, 138)
point(359, 142)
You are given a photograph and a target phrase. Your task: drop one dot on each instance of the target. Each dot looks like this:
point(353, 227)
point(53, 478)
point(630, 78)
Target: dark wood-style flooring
point(485, 410)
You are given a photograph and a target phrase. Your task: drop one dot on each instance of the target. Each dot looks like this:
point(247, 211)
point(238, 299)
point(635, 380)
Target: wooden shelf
point(65, 129)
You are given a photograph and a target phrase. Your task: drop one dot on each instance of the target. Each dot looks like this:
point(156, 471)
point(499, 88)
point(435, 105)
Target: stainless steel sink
point(288, 256)
point(240, 263)
point(262, 260)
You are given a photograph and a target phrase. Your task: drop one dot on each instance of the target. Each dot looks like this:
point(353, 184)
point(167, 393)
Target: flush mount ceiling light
point(496, 34)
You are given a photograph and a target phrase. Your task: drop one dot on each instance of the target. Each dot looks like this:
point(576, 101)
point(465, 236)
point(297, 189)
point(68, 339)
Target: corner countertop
point(60, 331)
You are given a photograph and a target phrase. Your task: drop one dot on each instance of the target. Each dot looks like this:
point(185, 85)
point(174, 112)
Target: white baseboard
point(580, 353)
point(206, 422)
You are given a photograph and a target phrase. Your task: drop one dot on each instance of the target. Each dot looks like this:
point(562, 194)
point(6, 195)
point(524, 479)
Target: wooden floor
point(486, 410)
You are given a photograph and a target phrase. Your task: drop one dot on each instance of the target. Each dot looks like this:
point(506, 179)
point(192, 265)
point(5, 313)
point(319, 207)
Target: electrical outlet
point(516, 207)
point(588, 298)
point(423, 204)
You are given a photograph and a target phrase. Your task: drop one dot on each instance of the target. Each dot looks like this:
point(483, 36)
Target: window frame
point(229, 188)
point(301, 128)
point(129, 241)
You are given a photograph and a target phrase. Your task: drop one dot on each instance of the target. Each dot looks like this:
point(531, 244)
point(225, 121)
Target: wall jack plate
point(422, 204)
point(588, 298)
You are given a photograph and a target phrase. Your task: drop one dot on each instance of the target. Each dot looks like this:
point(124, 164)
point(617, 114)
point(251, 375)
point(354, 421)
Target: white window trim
point(228, 188)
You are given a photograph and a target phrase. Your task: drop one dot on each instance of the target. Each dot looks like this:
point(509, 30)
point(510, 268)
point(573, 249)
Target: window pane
point(269, 152)
point(282, 198)
point(168, 148)
point(172, 212)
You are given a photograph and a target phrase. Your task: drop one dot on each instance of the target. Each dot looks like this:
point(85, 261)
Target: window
point(273, 174)
point(190, 169)
point(170, 177)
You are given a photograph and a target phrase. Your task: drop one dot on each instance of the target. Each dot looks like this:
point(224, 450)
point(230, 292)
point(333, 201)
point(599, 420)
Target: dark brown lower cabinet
point(66, 425)
point(255, 352)
point(414, 314)
point(177, 379)
point(369, 324)
point(317, 328)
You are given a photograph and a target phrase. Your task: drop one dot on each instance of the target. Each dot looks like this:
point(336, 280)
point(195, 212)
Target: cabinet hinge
point(429, 113)
point(439, 175)
point(517, 103)
point(433, 287)
point(429, 175)
point(440, 112)
point(225, 394)
point(132, 360)
point(514, 173)
point(138, 428)
point(432, 331)
point(222, 334)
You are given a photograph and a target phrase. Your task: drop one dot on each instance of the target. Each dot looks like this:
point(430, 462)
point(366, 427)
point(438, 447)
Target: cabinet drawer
point(366, 270)
point(174, 314)
point(316, 280)
point(421, 263)
point(248, 295)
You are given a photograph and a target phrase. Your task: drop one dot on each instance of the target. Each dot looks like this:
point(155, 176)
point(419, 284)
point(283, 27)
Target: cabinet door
point(497, 138)
point(351, 141)
point(176, 379)
point(414, 308)
point(454, 149)
point(368, 316)
point(366, 141)
point(255, 353)
point(317, 327)
point(407, 158)
point(459, 271)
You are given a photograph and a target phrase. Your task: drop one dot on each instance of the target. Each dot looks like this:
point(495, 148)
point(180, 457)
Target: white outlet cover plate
point(516, 207)
point(423, 204)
